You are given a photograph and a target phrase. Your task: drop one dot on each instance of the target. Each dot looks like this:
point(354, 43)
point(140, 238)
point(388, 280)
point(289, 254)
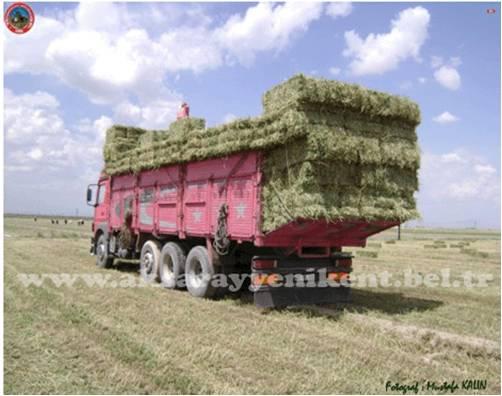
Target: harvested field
point(102, 340)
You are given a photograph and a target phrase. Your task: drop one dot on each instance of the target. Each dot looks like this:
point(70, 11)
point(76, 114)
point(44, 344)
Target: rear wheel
point(172, 265)
point(103, 259)
point(199, 272)
point(149, 261)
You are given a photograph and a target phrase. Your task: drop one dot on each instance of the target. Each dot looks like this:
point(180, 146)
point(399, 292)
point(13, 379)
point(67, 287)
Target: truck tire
point(149, 261)
point(103, 258)
point(198, 273)
point(172, 265)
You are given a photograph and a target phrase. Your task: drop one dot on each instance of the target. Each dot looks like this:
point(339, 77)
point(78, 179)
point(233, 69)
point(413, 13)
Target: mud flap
point(279, 297)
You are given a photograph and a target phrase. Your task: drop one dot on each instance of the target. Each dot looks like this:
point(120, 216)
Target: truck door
point(103, 202)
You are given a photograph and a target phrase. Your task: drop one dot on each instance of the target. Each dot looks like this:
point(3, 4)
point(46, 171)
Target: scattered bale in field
point(474, 253)
point(436, 246)
point(333, 150)
point(376, 245)
point(439, 242)
point(35, 219)
point(460, 244)
point(65, 221)
point(367, 253)
point(391, 241)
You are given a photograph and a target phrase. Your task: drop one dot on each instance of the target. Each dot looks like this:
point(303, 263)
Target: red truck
point(190, 223)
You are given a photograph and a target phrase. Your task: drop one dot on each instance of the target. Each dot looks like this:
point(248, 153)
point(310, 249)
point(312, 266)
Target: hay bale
point(474, 253)
point(328, 95)
point(375, 245)
point(332, 151)
point(435, 246)
point(367, 253)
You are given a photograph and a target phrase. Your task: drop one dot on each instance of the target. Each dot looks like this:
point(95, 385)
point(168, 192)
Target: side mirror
point(91, 199)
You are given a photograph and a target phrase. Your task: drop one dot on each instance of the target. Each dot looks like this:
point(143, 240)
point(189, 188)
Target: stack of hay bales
point(332, 151)
point(359, 158)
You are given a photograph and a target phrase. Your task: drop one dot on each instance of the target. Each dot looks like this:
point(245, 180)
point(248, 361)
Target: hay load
point(332, 151)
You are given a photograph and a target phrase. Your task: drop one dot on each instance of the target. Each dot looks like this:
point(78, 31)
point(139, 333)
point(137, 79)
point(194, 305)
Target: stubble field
point(94, 339)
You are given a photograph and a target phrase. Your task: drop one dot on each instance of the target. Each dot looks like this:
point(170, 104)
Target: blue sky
point(77, 72)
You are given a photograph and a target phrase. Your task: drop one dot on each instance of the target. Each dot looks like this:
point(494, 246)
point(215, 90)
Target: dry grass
point(147, 340)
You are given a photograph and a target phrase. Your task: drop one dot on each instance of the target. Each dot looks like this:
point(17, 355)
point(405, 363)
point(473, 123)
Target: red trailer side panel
point(185, 200)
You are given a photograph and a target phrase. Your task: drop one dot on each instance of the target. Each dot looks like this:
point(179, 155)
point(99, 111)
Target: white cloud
point(28, 116)
point(335, 71)
point(458, 176)
point(422, 80)
point(36, 154)
point(96, 128)
point(450, 157)
point(448, 77)
point(37, 138)
point(100, 126)
point(157, 114)
point(265, 27)
point(23, 55)
point(90, 16)
point(107, 68)
point(339, 9)
point(445, 118)
point(485, 169)
point(122, 61)
point(379, 53)
point(193, 49)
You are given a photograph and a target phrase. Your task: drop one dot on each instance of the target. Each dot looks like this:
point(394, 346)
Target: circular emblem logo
point(19, 18)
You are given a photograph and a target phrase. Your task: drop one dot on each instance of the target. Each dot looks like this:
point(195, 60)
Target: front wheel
point(103, 259)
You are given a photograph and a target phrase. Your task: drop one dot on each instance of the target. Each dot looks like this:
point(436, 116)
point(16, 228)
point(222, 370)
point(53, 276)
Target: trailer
point(192, 222)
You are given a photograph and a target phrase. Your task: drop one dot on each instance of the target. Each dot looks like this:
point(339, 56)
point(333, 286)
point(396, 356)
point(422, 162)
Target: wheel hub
point(148, 261)
point(198, 273)
point(101, 250)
